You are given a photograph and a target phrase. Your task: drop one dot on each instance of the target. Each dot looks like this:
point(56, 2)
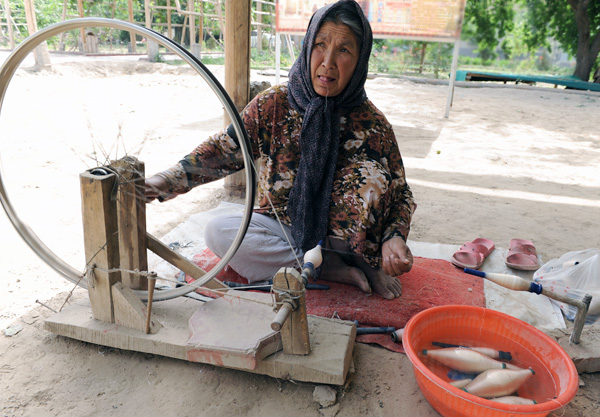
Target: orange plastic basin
point(554, 384)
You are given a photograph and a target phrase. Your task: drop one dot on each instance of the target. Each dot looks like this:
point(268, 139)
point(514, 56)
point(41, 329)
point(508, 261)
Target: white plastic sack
point(574, 274)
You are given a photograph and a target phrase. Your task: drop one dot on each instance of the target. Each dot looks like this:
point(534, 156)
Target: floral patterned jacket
point(274, 129)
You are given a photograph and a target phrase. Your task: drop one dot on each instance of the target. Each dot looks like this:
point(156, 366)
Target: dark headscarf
point(308, 205)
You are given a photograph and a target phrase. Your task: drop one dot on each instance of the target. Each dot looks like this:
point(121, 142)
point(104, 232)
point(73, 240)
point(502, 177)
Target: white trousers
point(263, 251)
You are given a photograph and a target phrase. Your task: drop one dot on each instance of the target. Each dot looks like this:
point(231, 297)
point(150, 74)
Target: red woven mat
point(431, 282)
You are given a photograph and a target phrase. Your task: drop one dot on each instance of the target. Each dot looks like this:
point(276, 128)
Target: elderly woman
point(332, 167)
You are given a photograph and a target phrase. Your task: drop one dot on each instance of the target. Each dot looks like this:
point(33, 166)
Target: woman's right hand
point(155, 187)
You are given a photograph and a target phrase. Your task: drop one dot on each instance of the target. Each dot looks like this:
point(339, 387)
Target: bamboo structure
point(199, 19)
point(41, 56)
point(9, 24)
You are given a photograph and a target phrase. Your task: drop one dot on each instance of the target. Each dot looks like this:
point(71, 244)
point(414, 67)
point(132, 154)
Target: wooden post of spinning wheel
point(291, 318)
point(116, 243)
point(231, 332)
point(101, 240)
point(114, 227)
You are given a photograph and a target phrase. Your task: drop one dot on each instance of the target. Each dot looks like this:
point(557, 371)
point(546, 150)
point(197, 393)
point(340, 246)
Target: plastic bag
point(576, 274)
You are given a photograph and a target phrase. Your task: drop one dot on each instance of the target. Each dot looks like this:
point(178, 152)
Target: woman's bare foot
point(336, 270)
point(386, 286)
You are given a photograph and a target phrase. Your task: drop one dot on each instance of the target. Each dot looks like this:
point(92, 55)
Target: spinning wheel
point(325, 358)
point(27, 233)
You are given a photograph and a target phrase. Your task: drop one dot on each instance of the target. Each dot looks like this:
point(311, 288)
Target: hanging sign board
point(426, 20)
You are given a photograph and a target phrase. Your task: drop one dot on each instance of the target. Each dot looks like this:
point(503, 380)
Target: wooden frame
point(180, 328)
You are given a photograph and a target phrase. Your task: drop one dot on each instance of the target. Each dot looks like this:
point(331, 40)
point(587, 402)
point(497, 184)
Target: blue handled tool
point(266, 286)
point(373, 330)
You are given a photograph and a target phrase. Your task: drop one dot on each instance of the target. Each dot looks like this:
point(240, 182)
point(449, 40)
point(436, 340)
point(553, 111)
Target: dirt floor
point(509, 162)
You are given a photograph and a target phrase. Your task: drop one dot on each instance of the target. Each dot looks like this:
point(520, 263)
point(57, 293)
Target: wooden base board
point(232, 331)
point(332, 341)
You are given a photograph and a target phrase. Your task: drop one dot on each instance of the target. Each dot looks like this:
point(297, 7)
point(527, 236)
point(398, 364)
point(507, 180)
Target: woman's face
point(333, 59)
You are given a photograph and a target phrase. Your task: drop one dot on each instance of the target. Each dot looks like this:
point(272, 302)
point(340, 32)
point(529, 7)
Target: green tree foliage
point(486, 22)
point(575, 24)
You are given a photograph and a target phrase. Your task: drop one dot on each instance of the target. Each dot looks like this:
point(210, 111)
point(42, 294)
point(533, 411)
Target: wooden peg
point(282, 315)
point(151, 286)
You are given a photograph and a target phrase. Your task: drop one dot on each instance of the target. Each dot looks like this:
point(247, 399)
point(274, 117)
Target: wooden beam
point(201, 24)
point(328, 363)
point(183, 29)
point(131, 34)
point(151, 45)
point(101, 241)
point(61, 42)
point(11, 35)
point(220, 16)
point(147, 14)
point(82, 30)
point(131, 210)
point(40, 53)
point(237, 71)
point(113, 11)
point(258, 28)
point(192, 22)
point(169, 28)
point(180, 262)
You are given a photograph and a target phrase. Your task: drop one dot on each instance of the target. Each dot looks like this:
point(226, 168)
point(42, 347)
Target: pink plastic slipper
point(472, 254)
point(522, 255)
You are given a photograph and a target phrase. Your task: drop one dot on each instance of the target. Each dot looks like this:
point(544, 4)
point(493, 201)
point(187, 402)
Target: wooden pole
point(237, 71)
point(450, 96)
point(113, 11)
point(237, 52)
point(259, 26)
point(169, 28)
point(131, 34)
point(131, 210)
point(147, 14)
point(183, 28)
point(40, 53)
point(151, 285)
point(201, 25)
point(11, 34)
point(61, 42)
point(192, 22)
point(181, 262)
point(220, 14)
point(101, 241)
point(151, 46)
point(82, 30)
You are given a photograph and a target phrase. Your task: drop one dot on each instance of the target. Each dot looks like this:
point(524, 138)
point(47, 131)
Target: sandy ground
point(508, 163)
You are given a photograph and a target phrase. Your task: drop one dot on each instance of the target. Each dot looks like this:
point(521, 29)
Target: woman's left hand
point(397, 258)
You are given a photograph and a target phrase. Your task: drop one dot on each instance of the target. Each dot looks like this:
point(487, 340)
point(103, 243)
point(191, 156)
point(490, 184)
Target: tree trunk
point(583, 67)
point(423, 50)
point(587, 48)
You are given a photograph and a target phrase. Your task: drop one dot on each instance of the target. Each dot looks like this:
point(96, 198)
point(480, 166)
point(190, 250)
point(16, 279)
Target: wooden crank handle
point(281, 316)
